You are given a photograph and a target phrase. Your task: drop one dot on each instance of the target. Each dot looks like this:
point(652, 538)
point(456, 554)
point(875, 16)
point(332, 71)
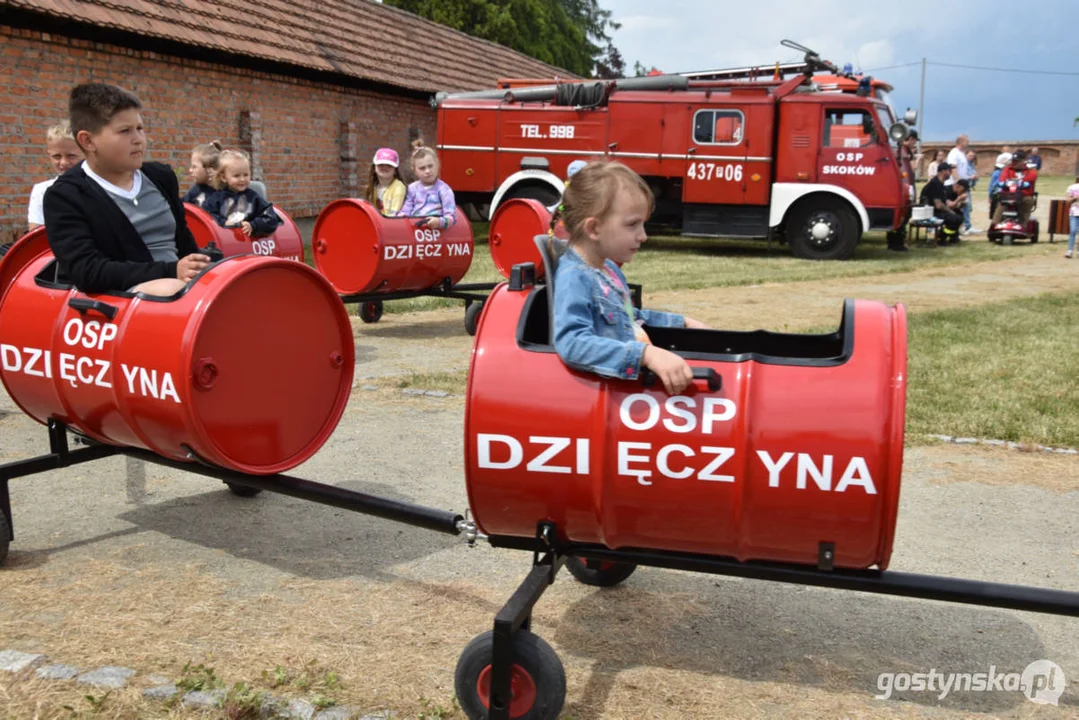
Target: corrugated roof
point(357, 38)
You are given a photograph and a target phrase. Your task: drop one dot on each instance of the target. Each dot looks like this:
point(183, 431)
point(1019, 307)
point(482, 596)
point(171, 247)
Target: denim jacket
point(592, 331)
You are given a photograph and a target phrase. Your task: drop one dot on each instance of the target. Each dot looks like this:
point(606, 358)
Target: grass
point(964, 380)
point(675, 263)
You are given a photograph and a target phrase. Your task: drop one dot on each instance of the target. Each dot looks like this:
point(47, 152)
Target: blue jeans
point(966, 211)
point(1074, 219)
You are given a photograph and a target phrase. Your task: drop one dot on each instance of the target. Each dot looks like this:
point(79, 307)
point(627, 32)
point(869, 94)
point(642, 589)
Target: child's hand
point(190, 266)
point(245, 228)
point(434, 223)
point(671, 369)
point(696, 324)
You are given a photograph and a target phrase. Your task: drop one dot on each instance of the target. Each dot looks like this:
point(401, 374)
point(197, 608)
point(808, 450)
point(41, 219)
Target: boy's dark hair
point(92, 105)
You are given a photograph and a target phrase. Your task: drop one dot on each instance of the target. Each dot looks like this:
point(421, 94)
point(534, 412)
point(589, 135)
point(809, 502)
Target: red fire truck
point(726, 153)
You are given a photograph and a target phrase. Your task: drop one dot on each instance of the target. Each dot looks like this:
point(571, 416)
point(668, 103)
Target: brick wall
point(1058, 158)
point(311, 142)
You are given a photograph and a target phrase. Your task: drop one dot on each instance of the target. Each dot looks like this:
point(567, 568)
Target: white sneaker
point(1068, 254)
point(975, 231)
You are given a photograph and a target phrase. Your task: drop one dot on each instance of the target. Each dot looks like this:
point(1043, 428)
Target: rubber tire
point(242, 490)
point(5, 537)
point(370, 311)
point(472, 317)
point(543, 194)
point(533, 655)
point(798, 221)
point(608, 574)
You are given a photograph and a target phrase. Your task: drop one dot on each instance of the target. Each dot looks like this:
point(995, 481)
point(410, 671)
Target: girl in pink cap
point(385, 188)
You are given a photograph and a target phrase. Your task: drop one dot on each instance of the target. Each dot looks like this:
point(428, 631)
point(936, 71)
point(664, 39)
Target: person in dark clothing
point(114, 222)
point(935, 193)
point(235, 204)
point(204, 160)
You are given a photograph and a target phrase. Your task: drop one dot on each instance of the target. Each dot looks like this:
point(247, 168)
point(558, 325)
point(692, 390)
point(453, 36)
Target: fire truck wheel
point(822, 230)
point(4, 248)
point(243, 491)
point(5, 537)
point(537, 679)
point(472, 317)
point(370, 312)
point(600, 573)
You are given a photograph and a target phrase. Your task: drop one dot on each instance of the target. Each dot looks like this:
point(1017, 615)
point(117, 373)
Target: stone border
point(1001, 443)
point(114, 677)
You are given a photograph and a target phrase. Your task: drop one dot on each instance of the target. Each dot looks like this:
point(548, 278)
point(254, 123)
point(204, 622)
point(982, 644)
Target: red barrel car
point(285, 242)
point(793, 452)
point(198, 376)
point(360, 251)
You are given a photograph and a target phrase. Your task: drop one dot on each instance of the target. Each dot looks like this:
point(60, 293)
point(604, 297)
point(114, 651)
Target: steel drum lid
point(346, 244)
point(516, 222)
point(272, 363)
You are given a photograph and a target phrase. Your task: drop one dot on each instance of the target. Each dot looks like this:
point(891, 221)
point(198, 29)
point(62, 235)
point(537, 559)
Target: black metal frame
point(549, 554)
point(469, 292)
point(60, 456)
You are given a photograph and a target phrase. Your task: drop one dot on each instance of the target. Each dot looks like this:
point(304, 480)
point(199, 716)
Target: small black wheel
point(601, 573)
point(371, 311)
point(472, 317)
point(244, 491)
point(5, 537)
point(824, 230)
point(537, 680)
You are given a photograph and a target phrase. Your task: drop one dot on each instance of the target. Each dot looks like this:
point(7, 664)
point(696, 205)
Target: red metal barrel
point(801, 446)
point(361, 251)
point(513, 227)
point(286, 241)
point(204, 372)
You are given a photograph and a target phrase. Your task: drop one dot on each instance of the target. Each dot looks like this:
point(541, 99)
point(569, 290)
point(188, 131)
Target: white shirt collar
point(131, 194)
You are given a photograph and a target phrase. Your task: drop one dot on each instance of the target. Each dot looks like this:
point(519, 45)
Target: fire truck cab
point(726, 157)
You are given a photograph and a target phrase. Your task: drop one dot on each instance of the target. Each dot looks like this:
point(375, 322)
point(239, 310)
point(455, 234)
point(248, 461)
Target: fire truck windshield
point(885, 116)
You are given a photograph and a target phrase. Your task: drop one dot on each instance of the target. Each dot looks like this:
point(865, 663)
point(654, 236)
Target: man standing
point(961, 170)
point(1034, 160)
point(936, 194)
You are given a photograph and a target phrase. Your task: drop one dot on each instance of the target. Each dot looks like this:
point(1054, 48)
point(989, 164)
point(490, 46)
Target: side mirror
point(899, 132)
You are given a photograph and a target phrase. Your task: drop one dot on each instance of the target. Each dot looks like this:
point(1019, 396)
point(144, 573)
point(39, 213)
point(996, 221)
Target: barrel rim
point(348, 350)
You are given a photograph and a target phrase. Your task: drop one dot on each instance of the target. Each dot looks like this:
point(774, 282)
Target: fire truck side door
point(854, 156)
point(715, 156)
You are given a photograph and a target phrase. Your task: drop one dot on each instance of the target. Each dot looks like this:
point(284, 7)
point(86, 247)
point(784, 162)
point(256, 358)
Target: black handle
point(710, 375)
point(714, 380)
point(85, 305)
point(213, 252)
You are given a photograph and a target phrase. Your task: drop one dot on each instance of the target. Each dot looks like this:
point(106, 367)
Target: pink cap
point(386, 156)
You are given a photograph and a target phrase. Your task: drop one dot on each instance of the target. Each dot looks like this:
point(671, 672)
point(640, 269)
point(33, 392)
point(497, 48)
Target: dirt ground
point(159, 570)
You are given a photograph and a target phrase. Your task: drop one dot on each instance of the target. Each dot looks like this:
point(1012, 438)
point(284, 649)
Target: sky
point(1038, 35)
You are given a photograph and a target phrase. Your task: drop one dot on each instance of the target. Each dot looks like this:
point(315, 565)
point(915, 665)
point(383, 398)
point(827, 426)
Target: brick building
point(309, 87)
point(1059, 157)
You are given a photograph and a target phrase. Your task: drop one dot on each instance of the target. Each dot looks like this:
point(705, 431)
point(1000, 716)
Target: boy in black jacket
point(114, 222)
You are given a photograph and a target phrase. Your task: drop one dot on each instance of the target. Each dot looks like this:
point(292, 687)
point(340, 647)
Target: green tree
point(570, 34)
